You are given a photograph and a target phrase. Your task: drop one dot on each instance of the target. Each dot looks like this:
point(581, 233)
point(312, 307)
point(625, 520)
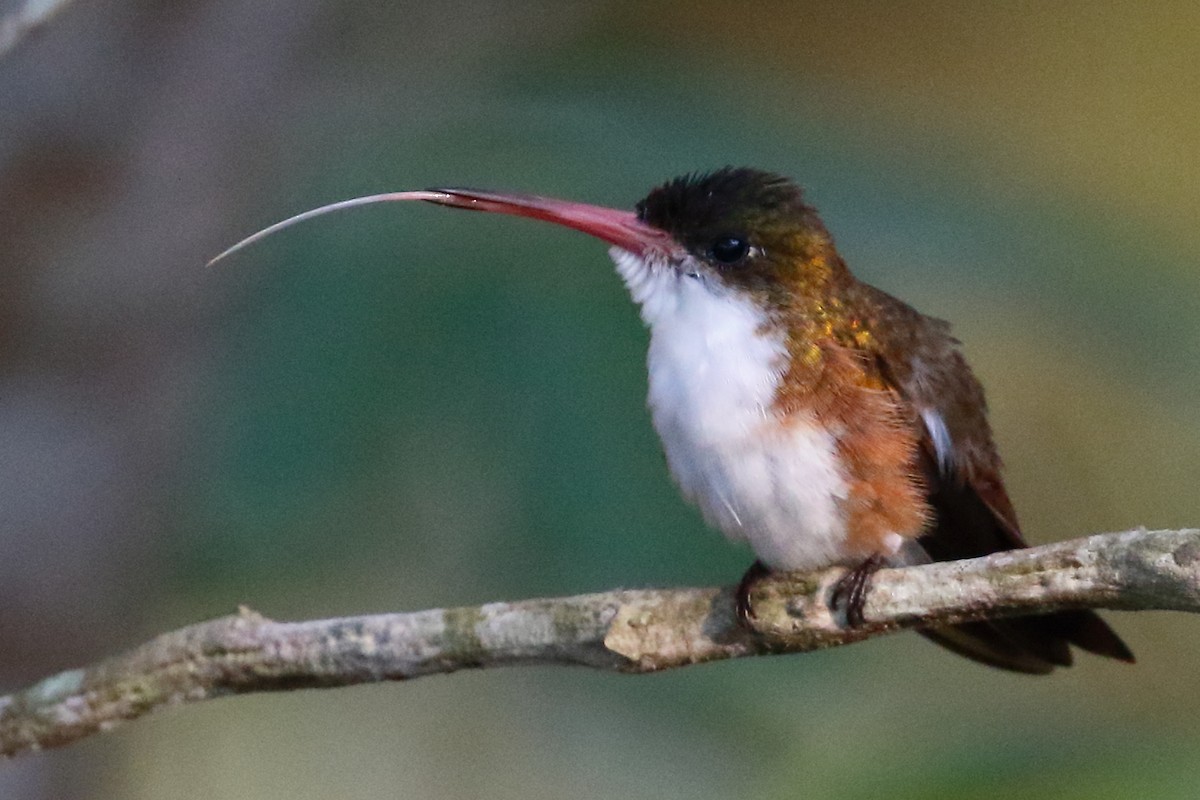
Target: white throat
point(715, 365)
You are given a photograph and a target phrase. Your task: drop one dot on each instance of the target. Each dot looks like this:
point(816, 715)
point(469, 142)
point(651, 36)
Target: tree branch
point(632, 631)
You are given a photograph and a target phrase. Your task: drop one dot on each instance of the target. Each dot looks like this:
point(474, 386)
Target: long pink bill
point(617, 227)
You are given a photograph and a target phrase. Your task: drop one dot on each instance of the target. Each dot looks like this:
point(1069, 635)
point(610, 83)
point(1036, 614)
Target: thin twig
point(16, 25)
point(634, 631)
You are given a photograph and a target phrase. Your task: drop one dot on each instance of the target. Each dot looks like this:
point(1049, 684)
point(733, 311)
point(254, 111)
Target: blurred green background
point(405, 407)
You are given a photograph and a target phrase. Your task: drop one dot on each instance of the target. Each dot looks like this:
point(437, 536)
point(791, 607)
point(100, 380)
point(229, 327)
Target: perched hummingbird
point(817, 418)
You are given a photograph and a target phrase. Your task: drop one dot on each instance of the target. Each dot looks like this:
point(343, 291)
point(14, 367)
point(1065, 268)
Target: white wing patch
point(939, 434)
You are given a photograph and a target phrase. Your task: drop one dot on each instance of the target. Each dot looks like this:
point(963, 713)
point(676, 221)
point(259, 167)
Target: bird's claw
point(851, 590)
point(741, 595)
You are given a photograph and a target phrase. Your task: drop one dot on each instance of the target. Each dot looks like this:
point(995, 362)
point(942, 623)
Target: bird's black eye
point(729, 249)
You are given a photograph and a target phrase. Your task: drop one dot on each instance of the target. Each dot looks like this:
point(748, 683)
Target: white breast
point(714, 366)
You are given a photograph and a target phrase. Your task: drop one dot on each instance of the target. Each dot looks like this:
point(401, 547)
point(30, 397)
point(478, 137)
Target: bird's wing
point(972, 513)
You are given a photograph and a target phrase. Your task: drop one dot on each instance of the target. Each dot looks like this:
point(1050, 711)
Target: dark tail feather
point(984, 643)
point(975, 518)
point(1086, 630)
point(1033, 645)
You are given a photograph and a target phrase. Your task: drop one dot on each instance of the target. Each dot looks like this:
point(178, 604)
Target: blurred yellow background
point(405, 407)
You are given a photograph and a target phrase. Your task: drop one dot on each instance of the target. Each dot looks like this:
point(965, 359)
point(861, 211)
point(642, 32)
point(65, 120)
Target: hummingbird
point(804, 412)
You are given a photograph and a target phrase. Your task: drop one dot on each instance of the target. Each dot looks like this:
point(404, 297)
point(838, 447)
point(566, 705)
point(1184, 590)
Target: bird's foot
point(741, 596)
point(851, 589)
